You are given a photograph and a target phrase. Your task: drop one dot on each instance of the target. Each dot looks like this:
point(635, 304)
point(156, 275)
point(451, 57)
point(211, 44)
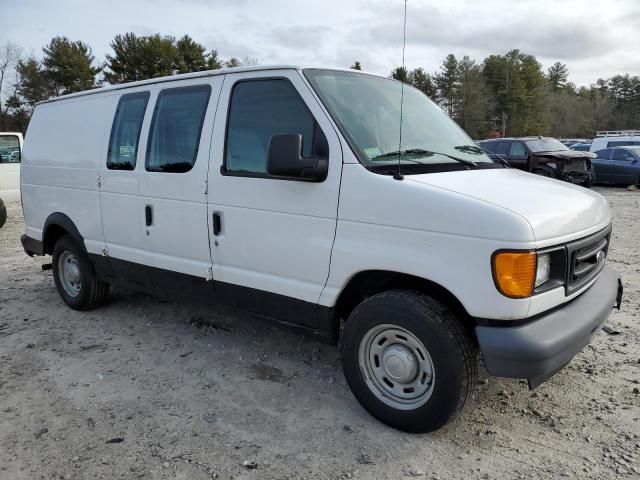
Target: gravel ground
point(149, 388)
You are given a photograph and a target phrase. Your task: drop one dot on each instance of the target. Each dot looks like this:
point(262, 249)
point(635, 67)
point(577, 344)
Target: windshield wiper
point(470, 149)
point(426, 153)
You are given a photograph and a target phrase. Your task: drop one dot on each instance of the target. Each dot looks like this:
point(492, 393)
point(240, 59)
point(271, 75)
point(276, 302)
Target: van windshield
point(367, 111)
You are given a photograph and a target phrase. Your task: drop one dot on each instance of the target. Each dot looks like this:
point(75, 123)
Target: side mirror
point(285, 160)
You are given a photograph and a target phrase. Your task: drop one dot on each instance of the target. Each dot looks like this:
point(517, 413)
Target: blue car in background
point(619, 165)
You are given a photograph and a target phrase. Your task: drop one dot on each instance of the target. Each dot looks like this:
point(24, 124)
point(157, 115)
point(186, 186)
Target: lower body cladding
point(539, 348)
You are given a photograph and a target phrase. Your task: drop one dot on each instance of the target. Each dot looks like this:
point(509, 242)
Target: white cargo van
point(10, 152)
point(287, 192)
point(614, 138)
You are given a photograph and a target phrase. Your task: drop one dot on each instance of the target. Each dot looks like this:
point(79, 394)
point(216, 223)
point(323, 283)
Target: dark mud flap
point(619, 296)
point(535, 382)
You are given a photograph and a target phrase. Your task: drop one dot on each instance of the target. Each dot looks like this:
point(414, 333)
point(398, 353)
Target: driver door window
point(260, 109)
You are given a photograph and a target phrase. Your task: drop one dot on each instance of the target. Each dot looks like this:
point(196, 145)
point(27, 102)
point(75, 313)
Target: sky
point(595, 38)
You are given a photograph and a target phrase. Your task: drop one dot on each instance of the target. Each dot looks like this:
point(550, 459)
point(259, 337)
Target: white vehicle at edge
point(614, 138)
point(282, 191)
point(10, 151)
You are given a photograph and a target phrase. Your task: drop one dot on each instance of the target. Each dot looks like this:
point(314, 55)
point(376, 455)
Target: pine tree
point(69, 66)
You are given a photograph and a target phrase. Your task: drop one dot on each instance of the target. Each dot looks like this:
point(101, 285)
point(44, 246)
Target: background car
point(544, 156)
point(10, 158)
point(581, 147)
point(618, 165)
point(572, 141)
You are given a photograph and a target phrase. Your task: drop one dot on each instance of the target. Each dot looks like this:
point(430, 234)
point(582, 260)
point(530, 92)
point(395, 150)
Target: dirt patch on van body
point(138, 389)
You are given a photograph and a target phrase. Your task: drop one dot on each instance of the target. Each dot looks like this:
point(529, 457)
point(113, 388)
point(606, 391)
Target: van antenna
point(398, 175)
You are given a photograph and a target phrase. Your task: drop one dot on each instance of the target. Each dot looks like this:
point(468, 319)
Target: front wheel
point(545, 172)
point(75, 278)
point(408, 360)
point(590, 180)
point(3, 213)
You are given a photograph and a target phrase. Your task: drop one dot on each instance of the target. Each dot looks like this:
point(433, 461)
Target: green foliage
point(472, 100)
point(447, 81)
point(423, 82)
point(557, 76)
point(140, 58)
point(517, 84)
point(69, 66)
point(232, 63)
point(34, 85)
point(401, 74)
point(190, 56)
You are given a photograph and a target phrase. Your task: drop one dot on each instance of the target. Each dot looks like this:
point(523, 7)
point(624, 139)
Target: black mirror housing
point(285, 160)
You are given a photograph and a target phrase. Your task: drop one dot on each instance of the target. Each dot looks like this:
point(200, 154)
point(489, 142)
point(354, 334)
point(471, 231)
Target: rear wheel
point(75, 277)
point(408, 360)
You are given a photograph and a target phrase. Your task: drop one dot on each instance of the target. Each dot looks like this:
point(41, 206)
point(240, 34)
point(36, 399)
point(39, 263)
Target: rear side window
point(490, 146)
point(260, 109)
point(175, 129)
point(503, 148)
point(604, 154)
point(9, 149)
point(125, 132)
point(517, 149)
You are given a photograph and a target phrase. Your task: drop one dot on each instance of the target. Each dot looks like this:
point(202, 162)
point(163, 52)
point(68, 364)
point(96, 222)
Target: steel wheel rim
point(396, 367)
point(69, 273)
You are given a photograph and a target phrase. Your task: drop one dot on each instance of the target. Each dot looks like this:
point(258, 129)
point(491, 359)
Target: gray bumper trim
point(538, 349)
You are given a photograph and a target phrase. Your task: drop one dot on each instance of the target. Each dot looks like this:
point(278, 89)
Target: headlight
point(514, 272)
point(544, 269)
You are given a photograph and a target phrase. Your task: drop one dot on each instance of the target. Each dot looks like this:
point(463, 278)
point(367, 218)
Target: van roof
point(186, 76)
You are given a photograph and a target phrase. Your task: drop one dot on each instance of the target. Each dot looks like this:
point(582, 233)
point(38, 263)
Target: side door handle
point(148, 215)
point(217, 223)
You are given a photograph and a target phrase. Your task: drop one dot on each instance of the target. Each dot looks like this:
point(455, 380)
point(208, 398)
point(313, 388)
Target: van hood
point(556, 211)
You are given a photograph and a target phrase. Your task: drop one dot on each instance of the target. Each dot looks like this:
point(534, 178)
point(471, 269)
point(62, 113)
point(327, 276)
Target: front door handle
point(148, 215)
point(217, 223)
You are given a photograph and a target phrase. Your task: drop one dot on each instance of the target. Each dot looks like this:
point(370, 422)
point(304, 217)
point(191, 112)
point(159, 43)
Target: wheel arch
point(56, 226)
point(367, 283)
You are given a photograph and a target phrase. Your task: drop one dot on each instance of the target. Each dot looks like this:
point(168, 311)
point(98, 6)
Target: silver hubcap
point(69, 273)
point(396, 367)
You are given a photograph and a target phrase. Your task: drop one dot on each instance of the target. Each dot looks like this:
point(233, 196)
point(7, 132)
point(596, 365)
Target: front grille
point(586, 259)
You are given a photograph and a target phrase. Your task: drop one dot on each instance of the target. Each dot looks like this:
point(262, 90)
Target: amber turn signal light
point(514, 273)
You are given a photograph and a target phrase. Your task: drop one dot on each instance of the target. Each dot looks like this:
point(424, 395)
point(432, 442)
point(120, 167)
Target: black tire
point(3, 213)
point(544, 172)
point(590, 180)
point(92, 291)
point(451, 349)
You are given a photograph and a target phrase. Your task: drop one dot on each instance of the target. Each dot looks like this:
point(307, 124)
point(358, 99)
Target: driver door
point(271, 238)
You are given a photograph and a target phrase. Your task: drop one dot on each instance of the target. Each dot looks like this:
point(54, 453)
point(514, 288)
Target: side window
point(9, 149)
point(621, 154)
point(502, 148)
point(260, 109)
point(125, 131)
point(175, 129)
point(517, 149)
point(490, 146)
point(604, 154)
